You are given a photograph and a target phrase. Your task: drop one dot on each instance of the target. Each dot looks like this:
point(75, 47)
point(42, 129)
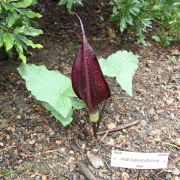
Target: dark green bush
point(70, 3)
point(15, 26)
point(139, 15)
point(162, 16)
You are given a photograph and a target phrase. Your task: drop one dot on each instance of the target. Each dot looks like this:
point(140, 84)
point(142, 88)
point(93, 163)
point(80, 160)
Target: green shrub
point(15, 26)
point(166, 15)
point(70, 3)
point(142, 14)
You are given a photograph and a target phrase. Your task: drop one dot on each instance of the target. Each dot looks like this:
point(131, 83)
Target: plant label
point(137, 160)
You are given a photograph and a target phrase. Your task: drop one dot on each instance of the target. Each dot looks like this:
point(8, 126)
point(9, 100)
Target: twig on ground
point(119, 127)
point(7, 148)
point(84, 170)
point(170, 144)
point(175, 160)
point(46, 151)
point(10, 124)
point(107, 132)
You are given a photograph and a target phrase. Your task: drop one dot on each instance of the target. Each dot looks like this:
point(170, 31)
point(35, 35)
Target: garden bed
point(33, 145)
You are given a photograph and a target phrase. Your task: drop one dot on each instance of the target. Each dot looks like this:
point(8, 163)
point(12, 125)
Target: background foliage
point(15, 26)
point(161, 16)
point(139, 15)
point(70, 3)
point(142, 14)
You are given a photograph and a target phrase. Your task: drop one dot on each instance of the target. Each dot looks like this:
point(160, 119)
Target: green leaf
point(65, 121)
point(19, 49)
point(8, 39)
point(70, 3)
point(19, 30)
point(77, 104)
point(48, 86)
point(8, 6)
point(121, 65)
point(173, 59)
point(1, 37)
point(62, 2)
point(23, 3)
point(156, 38)
point(31, 31)
point(28, 42)
point(11, 19)
point(30, 14)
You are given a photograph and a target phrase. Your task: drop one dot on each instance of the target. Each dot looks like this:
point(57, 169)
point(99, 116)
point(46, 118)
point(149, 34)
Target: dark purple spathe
point(88, 81)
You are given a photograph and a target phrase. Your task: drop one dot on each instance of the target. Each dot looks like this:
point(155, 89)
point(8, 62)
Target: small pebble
point(111, 126)
point(44, 177)
point(170, 101)
point(143, 123)
point(156, 117)
point(32, 142)
point(111, 142)
point(151, 111)
point(177, 141)
point(125, 176)
point(168, 177)
point(149, 63)
point(153, 133)
point(176, 172)
point(81, 177)
point(71, 152)
point(18, 117)
point(61, 64)
point(37, 178)
point(176, 178)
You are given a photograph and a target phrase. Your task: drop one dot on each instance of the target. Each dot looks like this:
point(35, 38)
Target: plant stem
point(94, 130)
point(101, 114)
point(4, 27)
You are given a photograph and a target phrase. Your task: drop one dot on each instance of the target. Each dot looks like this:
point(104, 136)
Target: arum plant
point(88, 81)
point(61, 96)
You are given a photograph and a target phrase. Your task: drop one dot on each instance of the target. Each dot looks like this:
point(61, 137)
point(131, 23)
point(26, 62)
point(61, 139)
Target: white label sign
point(136, 160)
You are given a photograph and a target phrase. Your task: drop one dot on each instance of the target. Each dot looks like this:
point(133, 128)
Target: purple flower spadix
point(88, 81)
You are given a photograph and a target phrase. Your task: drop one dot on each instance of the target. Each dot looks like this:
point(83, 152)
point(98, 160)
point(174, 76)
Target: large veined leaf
point(48, 86)
point(77, 104)
point(65, 121)
point(53, 90)
point(121, 65)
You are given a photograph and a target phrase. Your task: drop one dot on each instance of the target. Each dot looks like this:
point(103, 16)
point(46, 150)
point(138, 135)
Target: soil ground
point(33, 145)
